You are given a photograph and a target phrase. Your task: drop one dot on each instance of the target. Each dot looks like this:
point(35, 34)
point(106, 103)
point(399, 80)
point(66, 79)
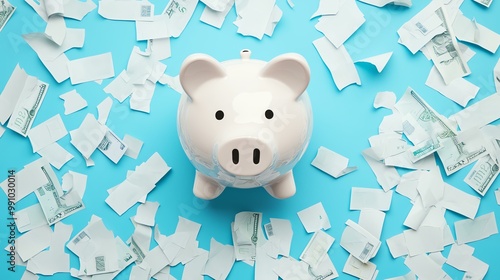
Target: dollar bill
point(485, 3)
point(112, 146)
point(436, 126)
point(27, 106)
point(6, 11)
point(247, 235)
point(482, 175)
point(139, 254)
point(461, 150)
point(445, 53)
point(56, 205)
point(317, 248)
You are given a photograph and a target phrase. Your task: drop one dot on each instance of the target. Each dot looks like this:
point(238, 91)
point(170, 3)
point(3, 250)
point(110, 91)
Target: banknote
point(112, 146)
point(482, 175)
point(461, 150)
point(485, 3)
point(247, 234)
point(139, 254)
point(56, 205)
point(6, 11)
point(317, 248)
point(436, 126)
point(445, 53)
point(27, 106)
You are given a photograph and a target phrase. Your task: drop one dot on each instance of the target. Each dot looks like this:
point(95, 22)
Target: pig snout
point(245, 156)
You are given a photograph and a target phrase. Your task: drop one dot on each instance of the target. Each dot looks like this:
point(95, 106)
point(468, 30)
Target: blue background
point(343, 121)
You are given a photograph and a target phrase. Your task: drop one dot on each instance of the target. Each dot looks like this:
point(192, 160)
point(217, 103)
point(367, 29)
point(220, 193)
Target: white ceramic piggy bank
point(244, 123)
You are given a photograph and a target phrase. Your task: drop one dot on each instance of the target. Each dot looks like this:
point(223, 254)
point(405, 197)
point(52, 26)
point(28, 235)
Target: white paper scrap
point(387, 176)
point(103, 110)
point(73, 102)
point(339, 27)
point(160, 48)
point(112, 146)
point(397, 245)
point(30, 217)
point(91, 68)
point(470, 31)
point(460, 202)
point(339, 62)
point(266, 259)
point(460, 256)
point(146, 213)
point(381, 3)
point(372, 220)
point(121, 87)
point(431, 187)
point(193, 270)
point(220, 260)
point(317, 248)
point(47, 133)
point(417, 214)
point(358, 269)
point(88, 136)
point(424, 240)
point(253, 17)
point(134, 146)
point(385, 99)
point(56, 29)
point(327, 7)
point(424, 267)
point(179, 13)
point(216, 18)
point(33, 242)
point(359, 242)
point(497, 196)
point(279, 232)
point(126, 10)
point(479, 114)
point(362, 198)
point(477, 269)
point(472, 230)
point(314, 218)
point(496, 75)
point(30, 178)
point(56, 155)
point(74, 181)
point(11, 93)
point(379, 61)
point(332, 163)
point(154, 28)
point(458, 90)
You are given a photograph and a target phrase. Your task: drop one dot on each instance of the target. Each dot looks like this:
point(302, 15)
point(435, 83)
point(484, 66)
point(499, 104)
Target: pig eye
point(219, 115)
point(269, 114)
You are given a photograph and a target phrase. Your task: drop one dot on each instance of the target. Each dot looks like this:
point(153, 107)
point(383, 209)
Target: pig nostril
point(256, 156)
point(236, 156)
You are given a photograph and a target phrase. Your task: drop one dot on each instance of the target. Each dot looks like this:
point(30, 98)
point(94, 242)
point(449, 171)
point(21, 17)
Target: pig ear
point(291, 69)
point(196, 70)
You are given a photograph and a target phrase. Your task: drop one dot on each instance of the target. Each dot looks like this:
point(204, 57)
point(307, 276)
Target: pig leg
point(283, 188)
point(206, 188)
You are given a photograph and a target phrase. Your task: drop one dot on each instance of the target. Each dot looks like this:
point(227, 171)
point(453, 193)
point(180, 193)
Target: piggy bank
point(244, 123)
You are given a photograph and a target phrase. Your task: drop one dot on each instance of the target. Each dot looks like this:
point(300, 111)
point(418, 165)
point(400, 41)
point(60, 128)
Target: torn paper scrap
point(477, 269)
point(56, 155)
point(339, 27)
point(112, 146)
point(74, 181)
point(29, 178)
point(23, 93)
point(103, 110)
point(77, 9)
point(194, 268)
point(73, 102)
point(385, 99)
point(121, 87)
point(266, 259)
point(317, 248)
point(496, 75)
point(138, 184)
point(460, 202)
point(134, 146)
point(314, 218)
point(159, 48)
point(417, 214)
point(472, 230)
point(479, 114)
point(397, 245)
point(126, 10)
point(497, 196)
point(47, 133)
point(362, 198)
point(327, 7)
point(216, 17)
point(358, 269)
point(91, 68)
point(387, 176)
point(381, 3)
point(29, 218)
point(220, 260)
point(459, 90)
point(359, 242)
point(56, 29)
point(146, 213)
point(430, 187)
point(88, 136)
point(332, 163)
point(470, 31)
point(179, 13)
point(253, 17)
point(279, 232)
point(142, 96)
point(424, 240)
point(459, 256)
point(33, 242)
point(153, 28)
point(387, 144)
point(372, 220)
point(424, 267)
point(339, 62)
point(482, 175)
point(379, 61)
point(408, 276)
point(245, 238)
